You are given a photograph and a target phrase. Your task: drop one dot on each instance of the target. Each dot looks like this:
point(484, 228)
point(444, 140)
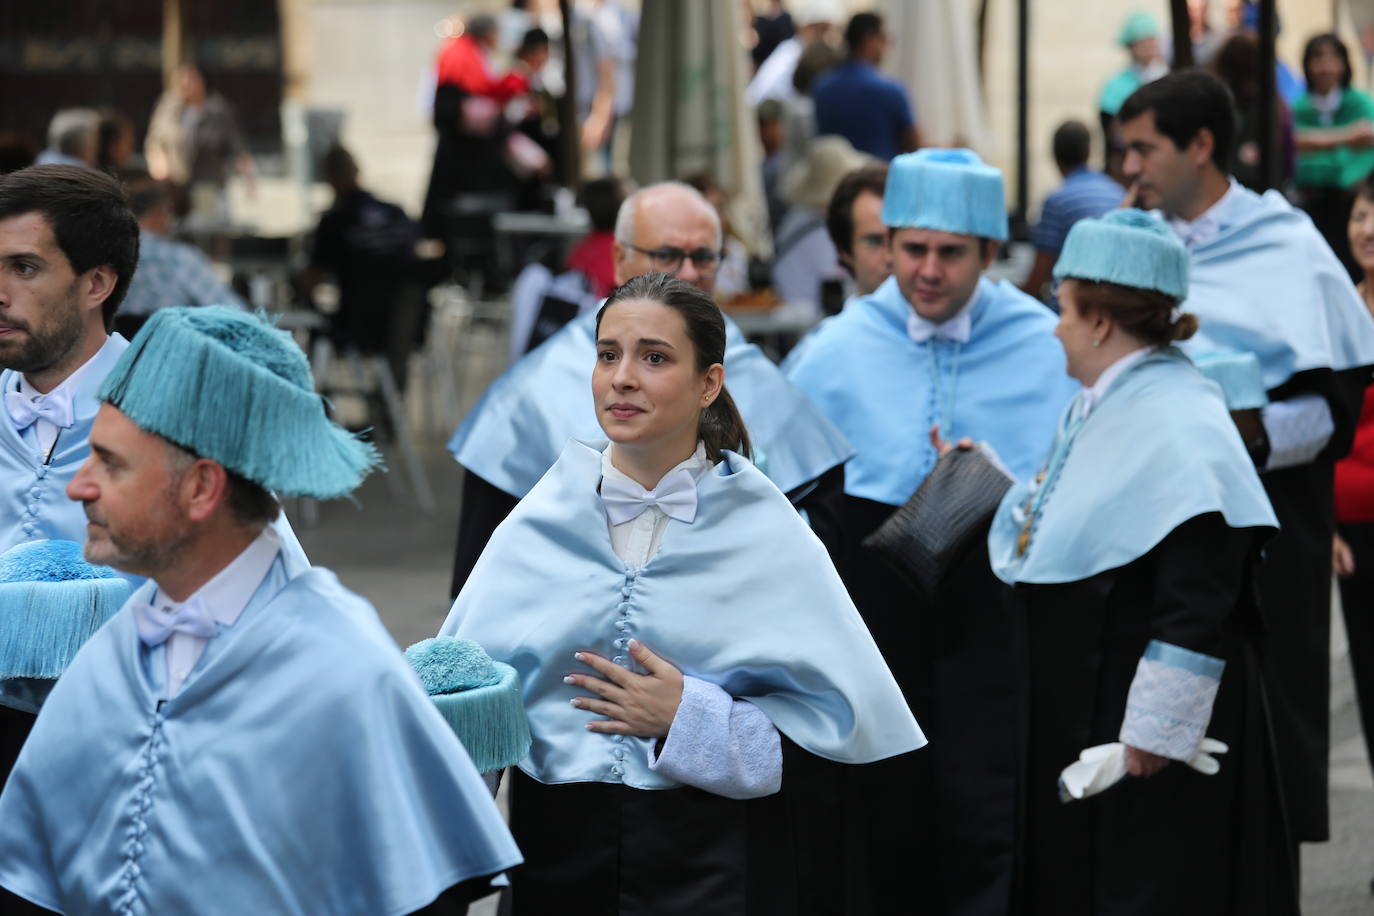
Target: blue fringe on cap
point(51, 602)
point(1128, 247)
point(479, 698)
point(228, 386)
point(1138, 26)
point(948, 190)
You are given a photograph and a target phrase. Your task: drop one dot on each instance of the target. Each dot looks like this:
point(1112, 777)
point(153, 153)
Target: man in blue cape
point(243, 735)
point(937, 345)
point(1265, 283)
point(69, 244)
point(518, 429)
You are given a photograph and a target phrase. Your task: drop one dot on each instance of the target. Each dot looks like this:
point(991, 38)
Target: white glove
point(1103, 766)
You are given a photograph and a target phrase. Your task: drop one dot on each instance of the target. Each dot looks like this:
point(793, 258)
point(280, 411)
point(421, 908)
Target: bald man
point(518, 429)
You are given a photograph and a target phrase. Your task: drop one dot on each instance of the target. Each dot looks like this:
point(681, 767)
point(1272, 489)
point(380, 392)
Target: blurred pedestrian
point(116, 143)
point(194, 142)
point(1085, 193)
point(169, 272)
point(1335, 125)
point(858, 103)
point(772, 137)
point(854, 220)
point(594, 254)
point(772, 26)
point(732, 279)
point(1139, 36)
point(1237, 64)
point(72, 138)
point(816, 21)
point(804, 255)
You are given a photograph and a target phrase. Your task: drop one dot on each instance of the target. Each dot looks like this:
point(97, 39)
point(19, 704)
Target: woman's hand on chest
point(643, 705)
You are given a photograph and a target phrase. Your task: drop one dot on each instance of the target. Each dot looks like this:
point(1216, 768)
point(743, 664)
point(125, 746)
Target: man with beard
point(242, 735)
point(68, 248)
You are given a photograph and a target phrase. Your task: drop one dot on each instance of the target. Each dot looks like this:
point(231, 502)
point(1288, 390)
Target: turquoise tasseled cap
point(1137, 27)
point(478, 697)
point(949, 190)
point(1127, 247)
point(51, 602)
point(229, 386)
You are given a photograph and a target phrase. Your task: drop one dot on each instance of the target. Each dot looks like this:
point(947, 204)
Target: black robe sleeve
point(484, 506)
point(1201, 570)
point(822, 500)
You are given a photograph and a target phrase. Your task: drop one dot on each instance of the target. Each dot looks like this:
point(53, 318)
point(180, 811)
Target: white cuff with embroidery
point(721, 745)
point(1170, 701)
point(1298, 430)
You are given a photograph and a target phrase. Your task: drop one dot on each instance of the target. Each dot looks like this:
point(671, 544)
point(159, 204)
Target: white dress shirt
point(955, 329)
point(43, 428)
point(637, 540)
point(1209, 223)
point(716, 743)
point(225, 596)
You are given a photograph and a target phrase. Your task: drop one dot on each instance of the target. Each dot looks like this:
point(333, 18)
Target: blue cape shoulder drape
point(744, 597)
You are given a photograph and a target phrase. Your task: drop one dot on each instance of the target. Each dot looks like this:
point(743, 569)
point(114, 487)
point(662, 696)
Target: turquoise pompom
point(448, 665)
point(49, 561)
point(480, 699)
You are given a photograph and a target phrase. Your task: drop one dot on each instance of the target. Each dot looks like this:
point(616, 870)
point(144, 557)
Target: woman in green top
point(1335, 128)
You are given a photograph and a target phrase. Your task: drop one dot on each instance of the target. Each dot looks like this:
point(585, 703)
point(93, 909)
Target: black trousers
point(1357, 603)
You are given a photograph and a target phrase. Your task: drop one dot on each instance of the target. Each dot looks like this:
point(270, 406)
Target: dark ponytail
point(721, 426)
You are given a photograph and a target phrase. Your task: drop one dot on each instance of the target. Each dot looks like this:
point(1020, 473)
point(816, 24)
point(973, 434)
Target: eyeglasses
point(669, 259)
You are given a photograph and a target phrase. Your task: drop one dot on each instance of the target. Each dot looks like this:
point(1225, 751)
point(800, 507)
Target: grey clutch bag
point(928, 535)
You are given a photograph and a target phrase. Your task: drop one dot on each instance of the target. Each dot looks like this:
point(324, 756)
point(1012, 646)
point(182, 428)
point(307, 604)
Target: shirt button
point(36, 492)
point(618, 770)
point(619, 659)
point(621, 642)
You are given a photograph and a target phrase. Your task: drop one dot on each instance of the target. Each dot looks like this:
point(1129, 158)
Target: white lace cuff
point(1170, 702)
point(725, 746)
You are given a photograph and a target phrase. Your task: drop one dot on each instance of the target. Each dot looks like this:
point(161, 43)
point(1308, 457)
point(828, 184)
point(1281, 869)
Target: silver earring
point(1097, 343)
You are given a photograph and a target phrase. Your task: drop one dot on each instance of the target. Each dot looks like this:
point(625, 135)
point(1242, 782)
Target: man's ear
point(96, 285)
point(1202, 145)
point(204, 487)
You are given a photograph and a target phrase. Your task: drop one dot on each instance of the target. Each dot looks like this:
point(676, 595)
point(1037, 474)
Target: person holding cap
point(1131, 556)
point(243, 735)
point(937, 345)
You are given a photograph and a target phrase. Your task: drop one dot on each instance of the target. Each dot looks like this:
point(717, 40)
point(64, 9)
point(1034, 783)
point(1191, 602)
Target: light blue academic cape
point(33, 494)
point(1269, 284)
point(518, 429)
point(300, 771)
point(744, 597)
point(1005, 386)
point(1159, 449)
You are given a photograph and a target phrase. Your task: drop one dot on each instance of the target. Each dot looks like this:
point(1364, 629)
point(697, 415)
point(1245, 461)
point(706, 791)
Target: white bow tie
point(955, 329)
point(675, 496)
point(156, 624)
point(56, 408)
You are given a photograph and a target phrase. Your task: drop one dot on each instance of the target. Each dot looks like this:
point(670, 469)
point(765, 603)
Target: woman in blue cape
point(1131, 557)
point(682, 640)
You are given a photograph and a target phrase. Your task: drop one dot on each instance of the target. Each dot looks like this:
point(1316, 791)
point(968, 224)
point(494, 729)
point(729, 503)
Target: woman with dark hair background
point(681, 638)
point(1335, 127)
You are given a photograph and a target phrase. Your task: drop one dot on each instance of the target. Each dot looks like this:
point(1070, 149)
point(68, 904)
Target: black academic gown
point(1295, 592)
point(938, 823)
point(598, 849)
point(1178, 842)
